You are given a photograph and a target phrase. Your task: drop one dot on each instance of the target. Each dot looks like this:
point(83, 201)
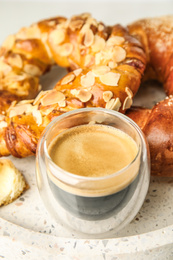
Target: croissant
point(106, 64)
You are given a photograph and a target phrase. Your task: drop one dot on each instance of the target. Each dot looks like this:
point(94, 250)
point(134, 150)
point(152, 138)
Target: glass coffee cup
point(96, 205)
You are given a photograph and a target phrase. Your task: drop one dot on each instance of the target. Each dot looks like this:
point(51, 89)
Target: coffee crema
point(93, 150)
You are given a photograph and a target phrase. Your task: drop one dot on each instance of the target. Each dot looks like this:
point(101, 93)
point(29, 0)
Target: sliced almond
point(51, 23)
point(67, 79)
point(3, 124)
point(110, 79)
point(15, 61)
point(62, 103)
point(84, 95)
point(112, 64)
point(57, 36)
point(2, 117)
point(37, 115)
point(65, 49)
point(89, 60)
point(77, 72)
point(119, 54)
point(5, 68)
point(115, 40)
point(76, 24)
point(100, 70)
point(87, 80)
point(9, 42)
point(127, 103)
point(32, 70)
point(29, 101)
point(32, 32)
point(88, 38)
point(129, 92)
point(74, 92)
point(98, 58)
point(107, 95)
point(114, 104)
point(20, 109)
point(100, 27)
point(99, 44)
point(52, 97)
point(38, 97)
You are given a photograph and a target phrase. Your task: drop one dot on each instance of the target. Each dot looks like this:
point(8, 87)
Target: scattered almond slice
point(20, 109)
point(115, 40)
point(77, 72)
point(37, 115)
point(88, 38)
point(88, 80)
point(119, 54)
point(99, 44)
point(114, 104)
point(107, 95)
point(32, 70)
point(110, 78)
point(100, 70)
point(5, 68)
point(67, 79)
point(129, 92)
point(9, 42)
point(57, 36)
point(84, 95)
point(3, 124)
point(127, 103)
point(15, 61)
point(12, 183)
point(52, 97)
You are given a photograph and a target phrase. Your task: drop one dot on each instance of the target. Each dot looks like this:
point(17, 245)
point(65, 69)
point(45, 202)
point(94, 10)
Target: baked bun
point(12, 183)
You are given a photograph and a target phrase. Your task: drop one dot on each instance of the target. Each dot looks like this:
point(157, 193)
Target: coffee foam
point(98, 150)
point(92, 150)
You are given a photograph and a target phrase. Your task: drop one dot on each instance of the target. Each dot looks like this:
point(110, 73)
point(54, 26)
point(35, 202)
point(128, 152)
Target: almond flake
point(57, 36)
point(115, 40)
point(77, 72)
point(32, 32)
point(98, 58)
point(119, 54)
point(76, 24)
point(62, 103)
point(100, 70)
point(127, 103)
point(87, 80)
point(84, 95)
point(38, 97)
point(28, 101)
point(101, 27)
point(89, 60)
point(107, 95)
point(20, 109)
point(99, 44)
point(110, 79)
point(88, 38)
point(5, 68)
point(67, 79)
point(15, 61)
point(52, 97)
point(32, 70)
point(3, 124)
point(112, 64)
point(9, 42)
point(2, 117)
point(37, 115)
point(74, 92)
point(114, 104)
point(129, 92)
point(65, 49)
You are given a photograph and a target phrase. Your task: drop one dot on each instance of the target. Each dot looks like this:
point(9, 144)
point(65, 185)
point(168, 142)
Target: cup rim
point(82, 110)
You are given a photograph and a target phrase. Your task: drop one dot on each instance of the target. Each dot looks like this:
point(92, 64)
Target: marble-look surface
point(26, 228)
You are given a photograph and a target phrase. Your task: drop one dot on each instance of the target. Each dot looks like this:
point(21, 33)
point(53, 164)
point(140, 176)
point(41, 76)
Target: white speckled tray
point(27, 229)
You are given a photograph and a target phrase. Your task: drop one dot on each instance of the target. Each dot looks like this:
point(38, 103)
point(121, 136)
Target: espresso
point(92, 150)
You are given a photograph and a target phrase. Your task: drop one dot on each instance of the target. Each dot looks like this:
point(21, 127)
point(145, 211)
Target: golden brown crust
point(107, 64)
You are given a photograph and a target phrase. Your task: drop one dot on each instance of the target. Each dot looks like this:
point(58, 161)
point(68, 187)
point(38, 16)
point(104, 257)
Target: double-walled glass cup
point(93, 205)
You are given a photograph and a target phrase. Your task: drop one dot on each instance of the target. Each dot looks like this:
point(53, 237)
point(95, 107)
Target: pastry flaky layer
point(106, 64)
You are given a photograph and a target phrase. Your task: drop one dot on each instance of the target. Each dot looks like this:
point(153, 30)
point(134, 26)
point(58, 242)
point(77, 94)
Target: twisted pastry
point(106, 62)
point(106, 66)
